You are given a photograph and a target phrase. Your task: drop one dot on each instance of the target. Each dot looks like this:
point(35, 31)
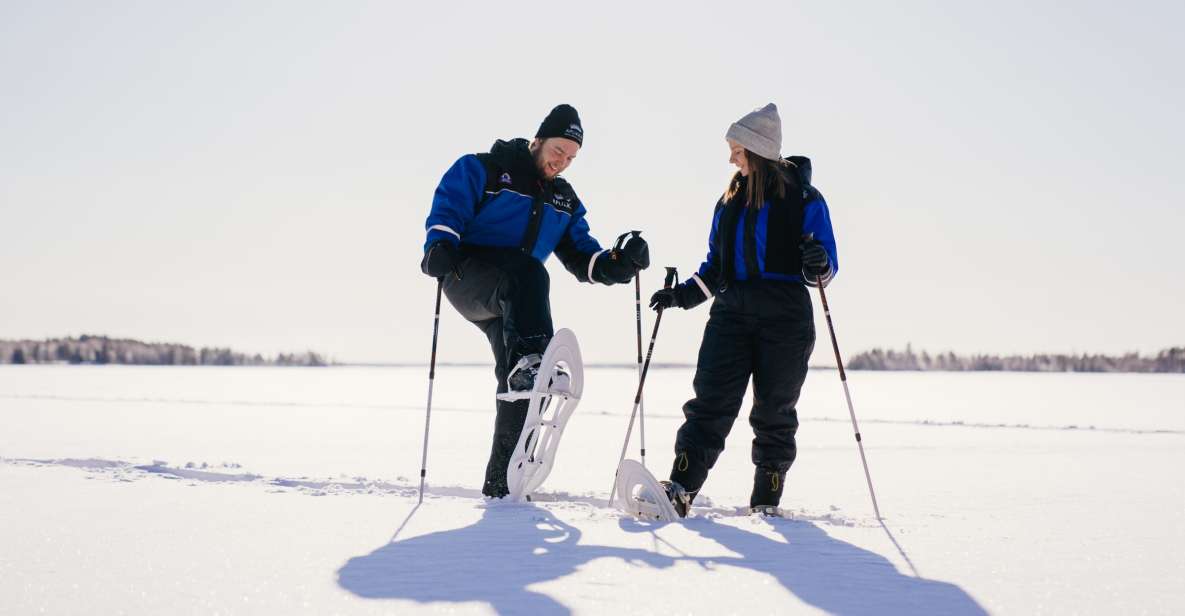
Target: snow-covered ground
point(289, 490)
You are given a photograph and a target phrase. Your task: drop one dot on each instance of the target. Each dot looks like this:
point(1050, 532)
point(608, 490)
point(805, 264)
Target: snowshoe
point(557, 385)
point(641, 496)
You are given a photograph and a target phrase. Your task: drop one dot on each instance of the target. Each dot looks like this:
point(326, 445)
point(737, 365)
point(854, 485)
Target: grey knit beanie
point(760, 131)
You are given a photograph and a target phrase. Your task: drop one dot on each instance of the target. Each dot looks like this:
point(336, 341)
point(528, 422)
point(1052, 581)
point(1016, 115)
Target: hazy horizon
point(817, 359)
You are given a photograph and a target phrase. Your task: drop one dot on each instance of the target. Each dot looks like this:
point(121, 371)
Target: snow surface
point(293, 490)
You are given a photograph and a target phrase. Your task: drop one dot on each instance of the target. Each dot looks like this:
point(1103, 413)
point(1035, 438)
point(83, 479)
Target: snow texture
point(291, 490)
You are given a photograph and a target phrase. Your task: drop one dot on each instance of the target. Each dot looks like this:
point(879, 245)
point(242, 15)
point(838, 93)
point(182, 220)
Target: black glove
point(815, 261)
point(613, 268)
point(686, 296)
point(623, 261)
point(635, 250)
point(441, 259)
point(665, 298)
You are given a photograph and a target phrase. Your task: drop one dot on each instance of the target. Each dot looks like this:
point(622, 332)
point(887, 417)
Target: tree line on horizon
point(88, 349)
point(1171, 360)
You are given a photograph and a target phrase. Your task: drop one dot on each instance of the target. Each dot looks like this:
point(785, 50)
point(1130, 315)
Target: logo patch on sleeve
point(562, 203)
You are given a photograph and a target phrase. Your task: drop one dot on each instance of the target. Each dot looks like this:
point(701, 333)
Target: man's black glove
point(815, 261)
point(613, 268)
point(441, 259)
point(621, 262)
point(634, 250)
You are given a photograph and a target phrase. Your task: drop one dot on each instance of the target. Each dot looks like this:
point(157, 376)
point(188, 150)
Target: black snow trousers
point(505, 292)
point(762, 329)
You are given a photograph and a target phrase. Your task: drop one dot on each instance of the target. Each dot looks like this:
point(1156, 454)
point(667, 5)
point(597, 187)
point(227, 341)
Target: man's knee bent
point(530, 277)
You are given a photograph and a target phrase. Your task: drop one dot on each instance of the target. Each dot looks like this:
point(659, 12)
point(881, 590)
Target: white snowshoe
point(641, 495)
point(558, 386)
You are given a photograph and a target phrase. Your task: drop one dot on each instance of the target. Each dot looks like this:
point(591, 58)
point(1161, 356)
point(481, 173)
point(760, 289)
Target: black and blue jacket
point(763, 243)
point(498, 199)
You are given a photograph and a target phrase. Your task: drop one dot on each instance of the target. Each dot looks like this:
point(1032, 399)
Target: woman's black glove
point(815, 261)
point(665, 298)
point(686, 296)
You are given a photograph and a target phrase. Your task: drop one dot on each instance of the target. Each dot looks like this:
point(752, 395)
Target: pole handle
point(621, 239)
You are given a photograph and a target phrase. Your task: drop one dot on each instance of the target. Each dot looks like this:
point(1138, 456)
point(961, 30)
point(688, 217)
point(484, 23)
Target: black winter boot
point(689, 471)
point(767, 488)
point(680, 498)
point(522, 376)
point(508, 424)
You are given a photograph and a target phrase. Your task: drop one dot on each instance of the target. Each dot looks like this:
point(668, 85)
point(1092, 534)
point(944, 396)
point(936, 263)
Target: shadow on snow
point(829, 574)
point(492, 561)
point(496, 559)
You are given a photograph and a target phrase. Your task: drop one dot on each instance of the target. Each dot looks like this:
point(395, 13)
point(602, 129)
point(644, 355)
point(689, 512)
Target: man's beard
point(540, 165)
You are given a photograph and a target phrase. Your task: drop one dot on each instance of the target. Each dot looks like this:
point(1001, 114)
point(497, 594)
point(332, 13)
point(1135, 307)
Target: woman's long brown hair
point(764, 174)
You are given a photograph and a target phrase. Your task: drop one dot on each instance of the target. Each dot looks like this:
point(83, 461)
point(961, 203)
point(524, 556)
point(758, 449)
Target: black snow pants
point(763, 329)
point(504, 291)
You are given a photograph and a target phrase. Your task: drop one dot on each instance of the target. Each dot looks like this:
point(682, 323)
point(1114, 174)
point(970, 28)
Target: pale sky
point(1002, 177)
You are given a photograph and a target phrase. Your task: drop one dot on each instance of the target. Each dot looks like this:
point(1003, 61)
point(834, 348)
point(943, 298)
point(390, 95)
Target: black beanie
point(563, 121)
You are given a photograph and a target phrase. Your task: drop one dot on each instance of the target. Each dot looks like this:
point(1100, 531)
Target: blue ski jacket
point(499, 199)
point(763, 243)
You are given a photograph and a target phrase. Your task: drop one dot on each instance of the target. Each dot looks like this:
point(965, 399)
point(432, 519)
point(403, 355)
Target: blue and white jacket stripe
point(816, 220)
point(468, 209)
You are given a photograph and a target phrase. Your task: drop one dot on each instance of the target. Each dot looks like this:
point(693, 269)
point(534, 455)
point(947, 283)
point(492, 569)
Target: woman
point(771, 238)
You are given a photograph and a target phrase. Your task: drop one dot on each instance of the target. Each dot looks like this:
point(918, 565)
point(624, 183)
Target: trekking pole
point(847, 395)
point(671, 277)
point(431, 379)
point(638, 319)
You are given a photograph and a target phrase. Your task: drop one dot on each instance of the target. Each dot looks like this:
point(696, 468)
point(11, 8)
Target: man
point(496, 217)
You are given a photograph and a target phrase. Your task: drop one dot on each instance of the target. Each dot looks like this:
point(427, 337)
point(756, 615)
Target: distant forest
point(104, 350)
point(1169, 360)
